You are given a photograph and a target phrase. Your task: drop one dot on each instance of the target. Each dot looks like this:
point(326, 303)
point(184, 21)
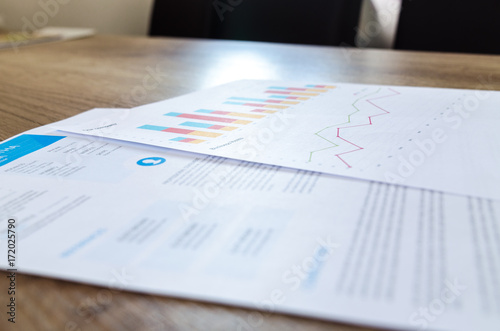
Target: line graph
point(384, 133)
point(349, 117)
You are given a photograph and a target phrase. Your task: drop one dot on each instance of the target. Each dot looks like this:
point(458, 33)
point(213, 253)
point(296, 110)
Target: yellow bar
point(205, 134)
point(290, 102)
point(304, 93)
point(197, 141)
point(303, 98)
point(330, 86)
point(275, 106)
point(245, 115)
point(242, 122)
point(269, 111)
point(228, 128)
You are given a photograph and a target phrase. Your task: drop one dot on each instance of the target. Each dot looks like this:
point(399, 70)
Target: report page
point(432, 138)
point(277, 239)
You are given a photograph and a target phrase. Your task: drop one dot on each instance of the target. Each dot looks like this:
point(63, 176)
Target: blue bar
point(234, 103)
point(279, 96)
point(207, 111)
point(173, 114)
point(197, 125)
point(314, 86)
point(23, 145)
point(153, 127)
point(177, 139)
point(277, 88)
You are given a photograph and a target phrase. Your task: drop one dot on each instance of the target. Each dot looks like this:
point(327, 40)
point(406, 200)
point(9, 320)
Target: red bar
point(296, 89)
point(216, 127)
point(175, 130)
point(273, 101)
point(207, 118)
point(319, 86)
point(277, 92)
point(187, 140)
point(254, 104)
point(219, 112)
point(258, 110)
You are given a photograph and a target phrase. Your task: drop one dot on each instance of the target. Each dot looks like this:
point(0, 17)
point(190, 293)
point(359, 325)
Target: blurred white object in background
point(378, 23)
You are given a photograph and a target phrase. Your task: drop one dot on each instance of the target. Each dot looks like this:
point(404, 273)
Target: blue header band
point(23, 145)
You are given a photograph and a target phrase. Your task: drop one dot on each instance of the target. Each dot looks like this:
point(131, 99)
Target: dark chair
point(319, 22)
point(449, 26)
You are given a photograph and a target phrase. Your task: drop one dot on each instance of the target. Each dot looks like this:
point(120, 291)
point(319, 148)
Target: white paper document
point(149, 219)
point(439, 139)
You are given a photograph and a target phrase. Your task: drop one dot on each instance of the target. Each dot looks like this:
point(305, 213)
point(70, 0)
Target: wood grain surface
point(45, 83)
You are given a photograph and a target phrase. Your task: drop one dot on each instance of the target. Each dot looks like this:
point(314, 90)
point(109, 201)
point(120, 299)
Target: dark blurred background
point(444, 25)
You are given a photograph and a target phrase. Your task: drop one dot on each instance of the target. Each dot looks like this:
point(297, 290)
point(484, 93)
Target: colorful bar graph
point(209, 126)
point(266, 100)
point(277, 98)
point(187, 140)
point(208, 118)
point(181, 131)
point(255, 105)
point(292, 93)
point(228, 113)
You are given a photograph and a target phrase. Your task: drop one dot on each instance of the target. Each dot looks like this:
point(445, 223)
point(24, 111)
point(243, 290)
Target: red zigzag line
point(370, 123)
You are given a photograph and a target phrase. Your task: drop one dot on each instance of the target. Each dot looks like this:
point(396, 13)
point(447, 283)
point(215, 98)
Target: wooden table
point(46, 83)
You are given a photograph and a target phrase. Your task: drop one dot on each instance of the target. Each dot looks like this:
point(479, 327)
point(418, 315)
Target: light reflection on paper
point(239, 65)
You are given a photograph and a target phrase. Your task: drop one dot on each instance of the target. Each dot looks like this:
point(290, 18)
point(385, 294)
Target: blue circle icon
point(151, 161)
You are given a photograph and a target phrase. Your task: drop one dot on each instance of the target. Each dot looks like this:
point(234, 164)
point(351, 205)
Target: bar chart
point(239, 111)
